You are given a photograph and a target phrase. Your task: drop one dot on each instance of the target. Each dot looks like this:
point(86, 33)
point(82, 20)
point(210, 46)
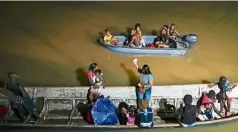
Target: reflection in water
point(65, 35)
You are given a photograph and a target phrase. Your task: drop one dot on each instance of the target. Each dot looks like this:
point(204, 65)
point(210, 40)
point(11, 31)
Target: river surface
point(52, 43)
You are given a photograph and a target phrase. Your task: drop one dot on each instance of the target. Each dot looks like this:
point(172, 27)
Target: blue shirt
point(224, 86)
point(146, 78)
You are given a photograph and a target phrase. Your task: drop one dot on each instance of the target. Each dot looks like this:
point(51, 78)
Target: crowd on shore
point(142, 115)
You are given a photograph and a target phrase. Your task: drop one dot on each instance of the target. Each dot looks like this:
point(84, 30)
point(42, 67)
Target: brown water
point(47, 42)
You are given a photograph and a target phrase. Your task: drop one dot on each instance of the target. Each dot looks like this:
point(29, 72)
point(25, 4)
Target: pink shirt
point(206, 100)
point(130, 120)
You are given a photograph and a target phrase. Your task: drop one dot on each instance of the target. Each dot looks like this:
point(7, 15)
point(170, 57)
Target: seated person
point(96, 89)
point(207, 109)
point(84, 110)
point(131, 115)
point(162, 40)
point(22, 104)
point(108, 38)
point(134, 40)
point(139, 34)
point(146, 115)
point(187, 114)
point(122, 113)
point(172, 31)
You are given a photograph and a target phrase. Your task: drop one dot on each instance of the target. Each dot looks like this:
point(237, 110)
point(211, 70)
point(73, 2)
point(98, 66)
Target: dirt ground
point(52, 43)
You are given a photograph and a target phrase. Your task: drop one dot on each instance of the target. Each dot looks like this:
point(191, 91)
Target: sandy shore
point(53, 43)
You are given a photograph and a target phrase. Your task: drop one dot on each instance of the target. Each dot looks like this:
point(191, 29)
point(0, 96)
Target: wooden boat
point(183, 44)
point(58, 110)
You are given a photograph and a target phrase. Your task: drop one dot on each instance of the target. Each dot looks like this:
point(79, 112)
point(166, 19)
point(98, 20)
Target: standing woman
point(143, 90)
point(92, 68)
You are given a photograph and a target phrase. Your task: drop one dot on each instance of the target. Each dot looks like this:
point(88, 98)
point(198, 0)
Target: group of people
point(187, 113)
point(24, 108)
point(166, 37)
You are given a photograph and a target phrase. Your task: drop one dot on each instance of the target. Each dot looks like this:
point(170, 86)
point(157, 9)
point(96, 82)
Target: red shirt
point(90, 75)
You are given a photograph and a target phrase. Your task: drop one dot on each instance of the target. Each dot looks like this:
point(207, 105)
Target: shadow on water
point(82, 77)
point(133, 78)
point(205, 82)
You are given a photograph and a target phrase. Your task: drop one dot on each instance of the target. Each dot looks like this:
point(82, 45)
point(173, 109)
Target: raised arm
point(211, 85)
point(136, 64)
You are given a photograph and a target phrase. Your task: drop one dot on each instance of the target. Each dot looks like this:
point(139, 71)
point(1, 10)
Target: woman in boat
point(224, 85)
point(23, 105)
point(207, 109)
point(172, 32)
point(108, 38)
point(139, 34)
point(162, 40)
point(146, 115)
point(188, 113)
point(146, 81)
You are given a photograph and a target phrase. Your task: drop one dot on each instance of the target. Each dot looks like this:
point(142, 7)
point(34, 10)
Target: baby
point(97, 89)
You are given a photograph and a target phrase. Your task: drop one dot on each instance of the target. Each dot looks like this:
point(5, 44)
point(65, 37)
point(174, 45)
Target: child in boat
point(146, 115)
point(96, 89)
point(224, 85)
point(108, 38)
point(207, 109)
point(139, 34)
point(188, 113)
point(131, 115)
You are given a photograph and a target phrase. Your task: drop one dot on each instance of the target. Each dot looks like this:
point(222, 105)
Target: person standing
point(224, 85)
point(143, 90)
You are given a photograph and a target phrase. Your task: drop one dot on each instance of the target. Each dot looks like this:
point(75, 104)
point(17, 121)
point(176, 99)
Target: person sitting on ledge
point(207, 109)
point(187, 113)
point(23, 105)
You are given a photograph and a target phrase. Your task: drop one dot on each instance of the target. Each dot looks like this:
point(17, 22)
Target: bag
point(141, 89)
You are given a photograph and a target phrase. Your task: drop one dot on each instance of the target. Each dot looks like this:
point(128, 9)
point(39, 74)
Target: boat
point(183, 44)
point(58, 110)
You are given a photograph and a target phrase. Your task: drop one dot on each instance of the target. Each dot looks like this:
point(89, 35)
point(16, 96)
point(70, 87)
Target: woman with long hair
point(143, 90)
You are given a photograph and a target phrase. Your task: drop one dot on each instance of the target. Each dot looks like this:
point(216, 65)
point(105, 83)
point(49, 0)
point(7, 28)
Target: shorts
point(222, 96)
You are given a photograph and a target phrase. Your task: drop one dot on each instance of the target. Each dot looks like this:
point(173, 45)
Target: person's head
point(13, 76)
point(188, 99)
point(212, 94)
point(222, 79)
point(131, 111)
point(163, 31)
point(172, 26)
point(93, 67)
point(146, 69)
point(137, 26)
point(143, 104)
point(123, 107)
point(97, 72)
point(133, 31)
point(107, 32)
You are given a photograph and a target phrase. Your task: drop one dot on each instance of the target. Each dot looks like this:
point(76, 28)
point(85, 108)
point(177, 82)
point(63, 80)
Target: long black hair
point(92, 66)
point(145, 69)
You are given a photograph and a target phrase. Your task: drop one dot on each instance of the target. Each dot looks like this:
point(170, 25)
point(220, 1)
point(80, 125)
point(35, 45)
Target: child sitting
point(207, 109)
